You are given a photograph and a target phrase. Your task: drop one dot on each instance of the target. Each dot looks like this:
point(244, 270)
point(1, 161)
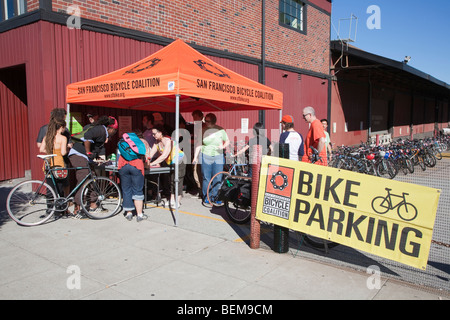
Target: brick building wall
point(32, 5)
point(308, 51)
point(227, 25)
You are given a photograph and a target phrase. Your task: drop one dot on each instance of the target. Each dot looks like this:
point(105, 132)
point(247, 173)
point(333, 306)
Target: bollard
point(255, 227)
point(281, 234)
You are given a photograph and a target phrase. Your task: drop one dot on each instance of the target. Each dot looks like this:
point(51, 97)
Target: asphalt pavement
point(203, 257)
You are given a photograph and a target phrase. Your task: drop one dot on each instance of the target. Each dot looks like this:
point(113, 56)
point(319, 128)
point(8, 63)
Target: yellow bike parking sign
point(384, 217)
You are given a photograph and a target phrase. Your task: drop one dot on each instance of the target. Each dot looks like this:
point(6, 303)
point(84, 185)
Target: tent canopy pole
point(177, 138)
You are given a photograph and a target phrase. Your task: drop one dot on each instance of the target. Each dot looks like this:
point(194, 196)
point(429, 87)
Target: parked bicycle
point(386, 161)
point(34, 202)
point(237, 200)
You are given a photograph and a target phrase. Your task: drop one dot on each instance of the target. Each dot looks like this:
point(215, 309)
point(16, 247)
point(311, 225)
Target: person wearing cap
point(89, 149)
point(292, 138)
point(92, 116)
point(315, 138)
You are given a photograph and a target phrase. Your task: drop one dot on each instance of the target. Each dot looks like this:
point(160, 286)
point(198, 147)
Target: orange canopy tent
point(176, 79)
point(177, 69)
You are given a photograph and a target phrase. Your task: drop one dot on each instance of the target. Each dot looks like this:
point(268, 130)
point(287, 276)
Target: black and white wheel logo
point(274, 179)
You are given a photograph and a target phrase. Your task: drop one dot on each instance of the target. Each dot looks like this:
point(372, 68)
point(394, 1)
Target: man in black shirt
point(88, 149)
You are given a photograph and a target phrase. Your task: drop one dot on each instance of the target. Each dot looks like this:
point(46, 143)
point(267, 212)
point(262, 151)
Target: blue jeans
point(210, 166)
point(132, 184)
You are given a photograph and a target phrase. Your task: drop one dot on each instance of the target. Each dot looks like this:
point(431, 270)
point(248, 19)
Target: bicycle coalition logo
point(405, 210)
point(276, 183)
point(143, 66)
point(277, 196)
point(208, 67)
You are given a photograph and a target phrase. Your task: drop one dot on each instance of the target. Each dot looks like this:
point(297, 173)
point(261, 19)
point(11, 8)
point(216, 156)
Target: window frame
point(17, 6)
point(281, 12)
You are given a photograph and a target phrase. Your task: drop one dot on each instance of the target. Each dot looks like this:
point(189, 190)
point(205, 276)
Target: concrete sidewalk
point(204, 257)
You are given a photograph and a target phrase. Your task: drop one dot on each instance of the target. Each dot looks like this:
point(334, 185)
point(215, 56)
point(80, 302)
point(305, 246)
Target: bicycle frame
point(100, 197)
point(70, 196)
point(233, 168)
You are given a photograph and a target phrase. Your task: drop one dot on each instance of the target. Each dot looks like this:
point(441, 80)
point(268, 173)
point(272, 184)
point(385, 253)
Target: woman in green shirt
point(214, 142)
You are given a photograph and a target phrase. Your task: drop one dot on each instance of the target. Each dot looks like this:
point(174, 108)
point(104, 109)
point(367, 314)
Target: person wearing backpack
point(86, 148)
point(134, 151)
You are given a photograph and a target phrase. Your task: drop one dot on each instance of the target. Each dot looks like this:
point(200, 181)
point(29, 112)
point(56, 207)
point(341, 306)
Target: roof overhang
point(378, 62)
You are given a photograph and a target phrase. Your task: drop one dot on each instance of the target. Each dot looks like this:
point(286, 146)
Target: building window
point(11, 8)
point(292, 14)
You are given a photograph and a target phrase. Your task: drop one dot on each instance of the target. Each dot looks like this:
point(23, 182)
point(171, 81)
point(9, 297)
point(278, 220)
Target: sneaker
point(129, 216)
point(99, 209)
point(139, 218)
point(78, 215)
point(173, 205)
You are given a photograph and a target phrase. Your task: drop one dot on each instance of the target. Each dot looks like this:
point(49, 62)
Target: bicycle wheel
point(404, 166)
point(106, 195)
point(371, 168)
point(237, 213)
point(386, 167)
point(214, 186)
point(409, 165)
point(437, 153)
point(419, 160)
point(429, 159)
point(31, 203)
point(380, 205)
point(407, 211)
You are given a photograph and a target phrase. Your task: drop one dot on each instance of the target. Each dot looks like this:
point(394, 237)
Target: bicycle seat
point(46, 156)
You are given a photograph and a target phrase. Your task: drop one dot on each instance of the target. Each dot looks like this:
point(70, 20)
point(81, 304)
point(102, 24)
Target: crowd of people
point(209, 141)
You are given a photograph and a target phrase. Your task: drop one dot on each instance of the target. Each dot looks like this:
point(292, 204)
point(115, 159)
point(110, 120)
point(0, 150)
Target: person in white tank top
point(292, 137)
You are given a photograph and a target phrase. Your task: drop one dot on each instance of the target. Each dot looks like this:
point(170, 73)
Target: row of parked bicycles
point(387, 161)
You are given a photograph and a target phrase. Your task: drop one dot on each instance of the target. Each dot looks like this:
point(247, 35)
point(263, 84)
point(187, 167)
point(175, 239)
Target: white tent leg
point(68, 117)
point(177, 138)
point(281, 117)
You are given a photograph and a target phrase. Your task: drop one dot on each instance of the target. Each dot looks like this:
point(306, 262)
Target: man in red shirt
point(315, 138)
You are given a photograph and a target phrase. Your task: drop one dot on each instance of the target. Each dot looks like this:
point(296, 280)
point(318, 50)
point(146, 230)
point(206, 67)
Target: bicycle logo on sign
point(405, 210)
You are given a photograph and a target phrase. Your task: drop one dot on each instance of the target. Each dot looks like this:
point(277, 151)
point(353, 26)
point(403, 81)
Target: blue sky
point(416, 28)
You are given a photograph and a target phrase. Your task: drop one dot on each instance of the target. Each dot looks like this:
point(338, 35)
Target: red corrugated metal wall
point(299, 91)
